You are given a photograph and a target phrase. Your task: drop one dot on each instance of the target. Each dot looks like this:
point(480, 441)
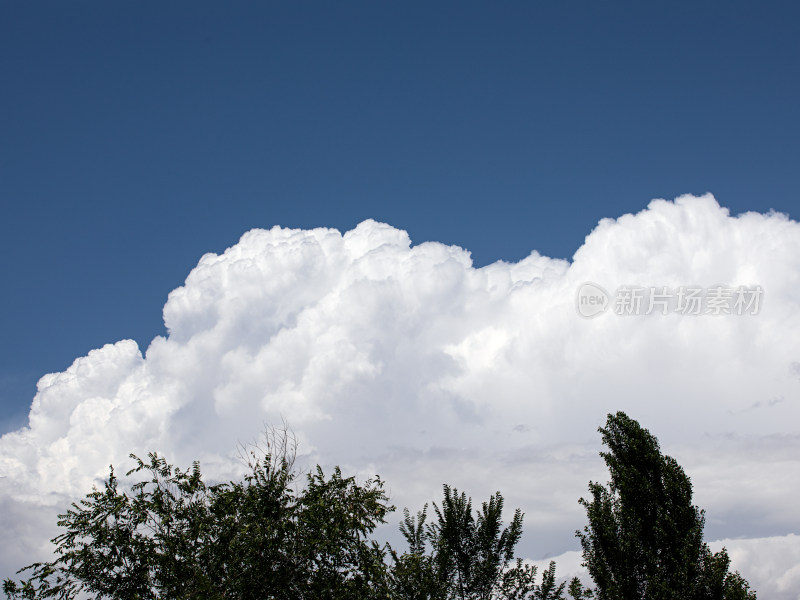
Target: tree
point(414, 573)
point(473, 552)
point(173, 536)
point(274, 535)
point(467, 555)
point(644, 539)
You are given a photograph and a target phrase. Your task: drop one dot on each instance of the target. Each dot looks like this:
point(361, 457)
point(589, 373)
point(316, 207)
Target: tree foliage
point(174, 537)
point(467, 555)
point(645, 537)
point(276, 535)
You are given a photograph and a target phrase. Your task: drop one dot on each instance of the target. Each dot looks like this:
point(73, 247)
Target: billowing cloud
point(407, 361)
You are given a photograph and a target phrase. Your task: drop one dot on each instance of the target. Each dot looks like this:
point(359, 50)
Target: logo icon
point(591, 300)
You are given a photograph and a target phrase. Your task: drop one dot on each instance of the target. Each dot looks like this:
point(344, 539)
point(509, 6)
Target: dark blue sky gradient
point(138, 136)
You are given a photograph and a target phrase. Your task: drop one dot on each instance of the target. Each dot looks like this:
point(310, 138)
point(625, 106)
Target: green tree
point(175, 537)
point(644, 539)
point(414, 573)
point(465, 554)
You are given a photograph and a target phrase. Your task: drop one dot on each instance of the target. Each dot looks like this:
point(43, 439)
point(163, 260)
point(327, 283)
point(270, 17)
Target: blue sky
point(138, 136)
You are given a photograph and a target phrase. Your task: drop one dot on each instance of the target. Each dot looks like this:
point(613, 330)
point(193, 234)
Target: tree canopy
point(645, 537)
point(467, 555)
point(173, 537)
point(276, 535)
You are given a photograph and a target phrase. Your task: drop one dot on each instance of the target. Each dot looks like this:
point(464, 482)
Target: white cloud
point(407, 361)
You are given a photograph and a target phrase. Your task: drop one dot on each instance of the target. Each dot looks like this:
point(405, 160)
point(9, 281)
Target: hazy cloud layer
point(407, 361)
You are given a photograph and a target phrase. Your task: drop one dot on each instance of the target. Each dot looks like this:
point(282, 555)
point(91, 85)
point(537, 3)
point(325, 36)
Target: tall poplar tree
point(644, 539)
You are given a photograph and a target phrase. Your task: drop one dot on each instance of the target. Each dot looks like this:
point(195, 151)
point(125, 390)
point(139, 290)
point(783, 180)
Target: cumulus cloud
point(405, 360)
